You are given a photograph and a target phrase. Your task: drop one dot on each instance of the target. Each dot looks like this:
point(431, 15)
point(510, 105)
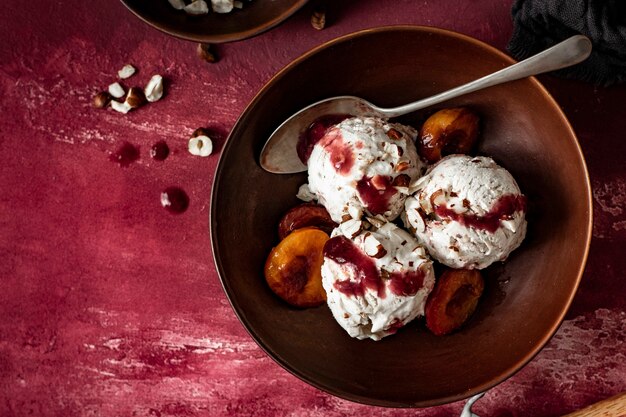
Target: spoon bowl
point(279, 155)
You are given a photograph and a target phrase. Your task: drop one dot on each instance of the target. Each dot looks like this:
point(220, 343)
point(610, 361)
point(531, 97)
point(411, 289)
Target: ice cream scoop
point(363, 165)
point(279, 153)
point(376, 280)
point(467, 211)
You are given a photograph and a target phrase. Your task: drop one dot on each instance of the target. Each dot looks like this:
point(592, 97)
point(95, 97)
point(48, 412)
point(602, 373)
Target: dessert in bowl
point(254, 17)
point(524, 299)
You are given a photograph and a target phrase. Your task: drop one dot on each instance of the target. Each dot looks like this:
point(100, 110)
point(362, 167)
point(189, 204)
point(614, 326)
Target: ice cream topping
point(503, 209)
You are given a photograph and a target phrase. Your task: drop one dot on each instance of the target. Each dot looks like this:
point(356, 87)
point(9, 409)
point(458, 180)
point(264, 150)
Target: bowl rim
point(502, 376)
point(221, 38)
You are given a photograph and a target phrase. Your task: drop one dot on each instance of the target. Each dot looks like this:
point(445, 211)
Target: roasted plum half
point(305, 215)
point(293, 269)
point(447, 132)
point(453, 300)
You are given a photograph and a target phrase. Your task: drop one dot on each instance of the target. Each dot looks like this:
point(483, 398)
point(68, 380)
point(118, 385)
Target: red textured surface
point(111, 306)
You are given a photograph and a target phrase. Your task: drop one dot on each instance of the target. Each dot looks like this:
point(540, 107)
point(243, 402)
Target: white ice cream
point(467, 211)
point(360, 156)
point(397, 292)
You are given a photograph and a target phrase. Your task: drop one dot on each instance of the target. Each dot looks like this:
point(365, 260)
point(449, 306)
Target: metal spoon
point(279, 154)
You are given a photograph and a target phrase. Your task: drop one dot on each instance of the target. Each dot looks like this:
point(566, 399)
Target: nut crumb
point(206, 52)
point(403, 166)
point(126, 71)
point(401, 180)
point(120, 106)
point(318, 18)
point(116, 90)
point(197, 7)
point(394, 134)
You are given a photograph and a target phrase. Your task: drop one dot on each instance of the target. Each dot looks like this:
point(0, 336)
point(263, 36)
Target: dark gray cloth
point(539, 24)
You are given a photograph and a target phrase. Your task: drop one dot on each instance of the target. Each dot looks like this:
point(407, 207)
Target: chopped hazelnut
point(197, 7)
point(120, 106)
point(116, 90)
point(177, 4)
point(154, 89)
point(200, 146)
point(206, 52)
point(318, 18)
point(126, 71)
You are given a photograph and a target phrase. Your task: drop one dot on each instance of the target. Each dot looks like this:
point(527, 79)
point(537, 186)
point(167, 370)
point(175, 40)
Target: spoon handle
point(569, 52)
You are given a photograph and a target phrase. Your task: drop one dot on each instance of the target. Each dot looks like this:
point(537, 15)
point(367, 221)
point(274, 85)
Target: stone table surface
point(111, 306)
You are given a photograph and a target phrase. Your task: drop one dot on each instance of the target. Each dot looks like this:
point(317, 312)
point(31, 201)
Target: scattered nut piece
point(122, 107)
point(222, 6)
point(305, 194)
point(154, 89)
point(318, 19)
point(177, 4)
point(377, 221)
point(116, 90)
point(101, 100)
point(509, 225)
point(394, 134)
point(380, 253)
point(420, 251)
point(135, 97)
point(438, 198)
point(126, 71)
point(420, 221)
point(403, 166)
point(374, 248)
point(355, 212)
point(351, 228)
point(218, 6)
point(197, 8)
point(379, 182)
point(200, 146)
point(401, 180)
point(206, 53)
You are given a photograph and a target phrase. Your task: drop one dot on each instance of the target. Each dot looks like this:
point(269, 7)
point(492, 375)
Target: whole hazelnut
point(101, 100)
point(135, 97)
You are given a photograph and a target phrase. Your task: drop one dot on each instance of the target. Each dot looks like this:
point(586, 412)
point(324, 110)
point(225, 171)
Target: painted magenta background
point(111, 306)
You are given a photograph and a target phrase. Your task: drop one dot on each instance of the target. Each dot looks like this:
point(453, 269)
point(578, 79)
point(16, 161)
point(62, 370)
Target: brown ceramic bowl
point(254, 18)
point(525, 298)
